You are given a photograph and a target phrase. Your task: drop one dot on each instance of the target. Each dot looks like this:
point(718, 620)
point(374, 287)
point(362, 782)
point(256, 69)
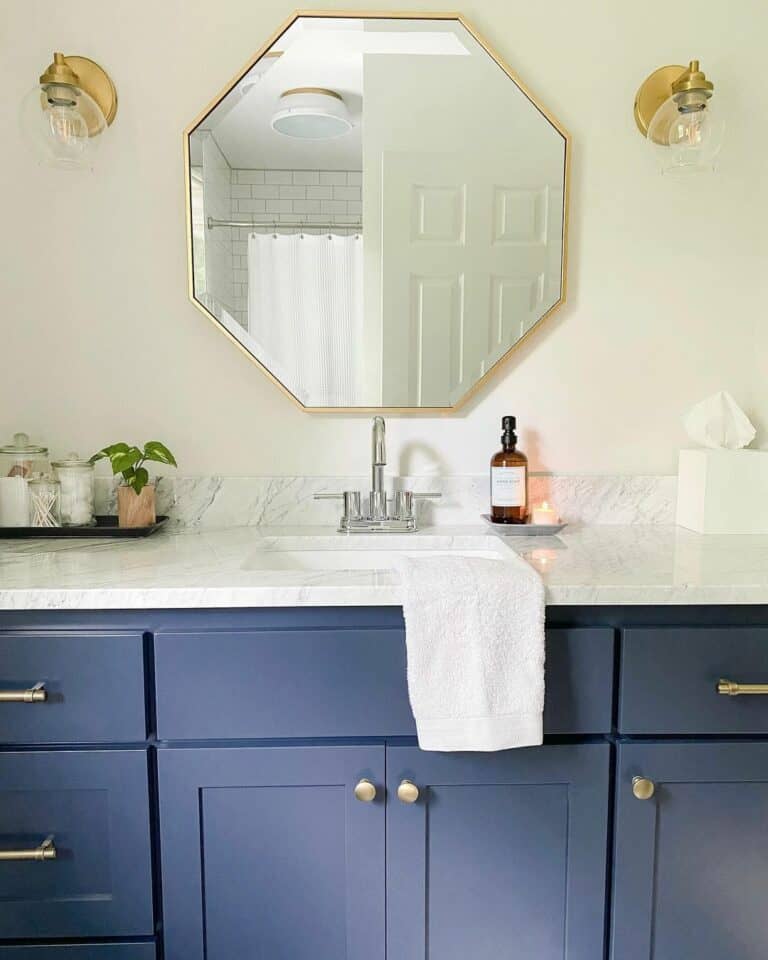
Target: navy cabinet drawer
point(80, 951)
point(669, 680)
point(341, 683)
point(93, 682)
point(95, 807)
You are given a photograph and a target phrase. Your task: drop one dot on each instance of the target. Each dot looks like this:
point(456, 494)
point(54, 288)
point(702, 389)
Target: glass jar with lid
point(19, 461)
point(76, 480)
point(22, 458)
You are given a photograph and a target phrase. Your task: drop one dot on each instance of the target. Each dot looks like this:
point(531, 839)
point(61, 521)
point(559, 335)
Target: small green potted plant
point(135, 495)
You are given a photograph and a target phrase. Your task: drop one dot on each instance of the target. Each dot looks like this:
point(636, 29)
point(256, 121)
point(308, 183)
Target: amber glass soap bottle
point(509, 478)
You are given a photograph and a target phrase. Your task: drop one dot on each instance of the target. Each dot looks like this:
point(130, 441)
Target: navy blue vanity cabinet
point(267, 852)
point(497, 855)
point(691, 870)
point(257, 791)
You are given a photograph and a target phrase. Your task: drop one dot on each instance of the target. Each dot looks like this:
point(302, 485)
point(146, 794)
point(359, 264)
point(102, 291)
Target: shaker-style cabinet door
point(691, 851)
point(273, 852)
point(75, 849)
point(497, 855)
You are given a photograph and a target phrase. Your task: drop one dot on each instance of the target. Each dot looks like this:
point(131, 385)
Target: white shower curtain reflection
point(305, 313)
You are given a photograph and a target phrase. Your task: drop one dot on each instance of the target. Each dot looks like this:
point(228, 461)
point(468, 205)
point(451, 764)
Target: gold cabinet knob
point(365, 791)
point(407, 792)
point(643, 789)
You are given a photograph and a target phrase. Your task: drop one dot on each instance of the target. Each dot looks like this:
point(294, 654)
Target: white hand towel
point(474, 631)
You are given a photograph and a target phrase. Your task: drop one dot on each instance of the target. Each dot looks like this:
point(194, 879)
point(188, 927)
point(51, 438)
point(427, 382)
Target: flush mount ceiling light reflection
point(65, 114)
point(674, 111)
point(311, 113)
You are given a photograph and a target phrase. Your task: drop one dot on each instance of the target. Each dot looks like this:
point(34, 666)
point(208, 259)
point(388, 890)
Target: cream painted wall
point(667, 279)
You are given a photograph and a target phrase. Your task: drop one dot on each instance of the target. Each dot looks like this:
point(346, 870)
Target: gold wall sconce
point(674, 111)
point(68, 110)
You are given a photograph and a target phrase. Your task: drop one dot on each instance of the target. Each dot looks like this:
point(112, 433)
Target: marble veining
point(216, 502)
point(608, 564)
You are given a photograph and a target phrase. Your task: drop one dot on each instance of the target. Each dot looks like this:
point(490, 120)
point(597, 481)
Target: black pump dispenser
point(509, 437)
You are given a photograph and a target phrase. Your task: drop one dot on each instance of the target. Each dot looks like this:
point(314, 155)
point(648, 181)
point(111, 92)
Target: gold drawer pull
point(36, 694)
point(730, 689)
point(407, 792)
point(365, 791)
point(643, 788)
point(46, 851)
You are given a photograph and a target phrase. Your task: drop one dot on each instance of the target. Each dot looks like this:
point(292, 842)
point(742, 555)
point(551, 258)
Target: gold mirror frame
point(376, 15)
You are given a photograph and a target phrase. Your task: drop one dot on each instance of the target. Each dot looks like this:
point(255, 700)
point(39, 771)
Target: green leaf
point(110, 451)
point(140, 479)
point(123, 460)
point(158, 453)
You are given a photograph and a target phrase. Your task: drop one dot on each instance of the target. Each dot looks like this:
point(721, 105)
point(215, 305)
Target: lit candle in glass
point(544, 515)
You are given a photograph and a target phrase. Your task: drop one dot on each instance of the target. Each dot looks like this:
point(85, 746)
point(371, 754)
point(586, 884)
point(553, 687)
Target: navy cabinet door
point(692, 861)
point(502, 854)
point(267, 853)
point(95, 806)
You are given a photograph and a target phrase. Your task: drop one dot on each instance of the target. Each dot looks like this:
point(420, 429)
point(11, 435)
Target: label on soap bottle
point(508, 486)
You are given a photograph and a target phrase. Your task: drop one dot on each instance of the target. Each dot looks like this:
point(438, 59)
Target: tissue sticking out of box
point(719, 423)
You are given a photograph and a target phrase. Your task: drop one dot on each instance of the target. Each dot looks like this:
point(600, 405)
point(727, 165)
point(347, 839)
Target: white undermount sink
point(344, 554)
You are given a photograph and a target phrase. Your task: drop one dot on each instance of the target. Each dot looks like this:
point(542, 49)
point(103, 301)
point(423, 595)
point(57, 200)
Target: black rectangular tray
point(104, 527)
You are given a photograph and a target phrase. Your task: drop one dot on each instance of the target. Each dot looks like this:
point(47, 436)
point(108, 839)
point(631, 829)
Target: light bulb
point(69, 133)
point(688, 135)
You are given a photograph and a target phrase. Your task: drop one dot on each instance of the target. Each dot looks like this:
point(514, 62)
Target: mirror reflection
point(377, 211)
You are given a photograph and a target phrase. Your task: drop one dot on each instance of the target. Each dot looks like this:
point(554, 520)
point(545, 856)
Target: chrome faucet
point(383, 515)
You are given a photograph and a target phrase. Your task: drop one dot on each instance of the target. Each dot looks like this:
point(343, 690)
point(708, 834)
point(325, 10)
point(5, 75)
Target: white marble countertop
point(641, 564)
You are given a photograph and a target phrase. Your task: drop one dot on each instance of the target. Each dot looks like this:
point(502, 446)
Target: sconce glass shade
point(688, 138)
point(63, 124)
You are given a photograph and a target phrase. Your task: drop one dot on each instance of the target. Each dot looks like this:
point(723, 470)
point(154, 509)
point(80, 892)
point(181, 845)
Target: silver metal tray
point(524, 529)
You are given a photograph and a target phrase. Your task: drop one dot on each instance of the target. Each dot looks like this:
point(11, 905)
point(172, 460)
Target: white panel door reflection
point(467, 267)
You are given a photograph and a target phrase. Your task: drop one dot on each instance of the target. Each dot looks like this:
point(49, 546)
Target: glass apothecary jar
point(19, 461)
point(22, 458)
point(44, 497)
point(77, 493)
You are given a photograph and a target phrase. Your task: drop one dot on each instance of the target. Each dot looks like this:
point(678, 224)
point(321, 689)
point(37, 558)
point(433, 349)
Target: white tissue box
point(723, 491)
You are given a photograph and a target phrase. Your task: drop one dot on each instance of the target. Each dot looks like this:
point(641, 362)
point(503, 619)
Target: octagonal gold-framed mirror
point(377, 211)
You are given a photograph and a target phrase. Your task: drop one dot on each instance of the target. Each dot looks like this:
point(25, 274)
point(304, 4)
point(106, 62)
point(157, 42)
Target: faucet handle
point(351, 500)
point(405, 503)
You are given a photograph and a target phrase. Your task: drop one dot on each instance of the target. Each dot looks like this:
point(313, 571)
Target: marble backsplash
point(216, 502)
